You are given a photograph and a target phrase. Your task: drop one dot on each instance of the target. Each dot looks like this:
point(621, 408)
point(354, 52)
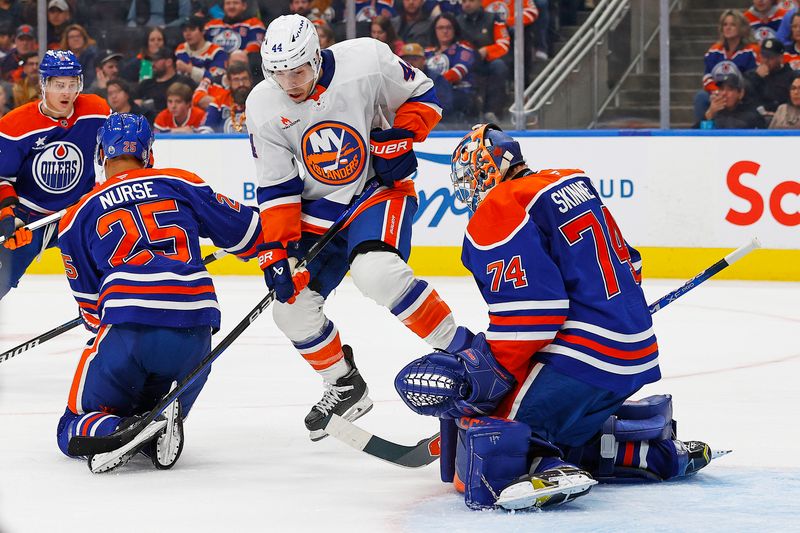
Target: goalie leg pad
point(491, 453)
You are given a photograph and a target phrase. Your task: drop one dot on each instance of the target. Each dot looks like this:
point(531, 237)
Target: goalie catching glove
point(10, 228)
point(279, 271)
point(468, 383)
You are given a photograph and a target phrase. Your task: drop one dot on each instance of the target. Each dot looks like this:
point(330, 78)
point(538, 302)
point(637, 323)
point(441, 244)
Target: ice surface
point(729, 353)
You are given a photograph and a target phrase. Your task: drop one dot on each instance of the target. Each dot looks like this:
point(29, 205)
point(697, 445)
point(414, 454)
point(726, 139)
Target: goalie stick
point(711, 271)
point(86, 445)
point(63, 328)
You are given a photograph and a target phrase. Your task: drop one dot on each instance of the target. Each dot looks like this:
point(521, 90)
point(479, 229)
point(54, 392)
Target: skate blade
point(716, 454)
point(167, 450)
point(104, 462)
point(358, 410)
point(525, 495)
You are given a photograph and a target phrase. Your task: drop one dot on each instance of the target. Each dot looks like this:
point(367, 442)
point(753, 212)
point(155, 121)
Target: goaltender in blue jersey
point(536, 408)
point(132, 256)
point(46, 152)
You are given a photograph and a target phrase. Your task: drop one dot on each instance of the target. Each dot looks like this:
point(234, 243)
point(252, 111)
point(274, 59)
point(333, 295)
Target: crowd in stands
point(188, 65)
point(752, 71)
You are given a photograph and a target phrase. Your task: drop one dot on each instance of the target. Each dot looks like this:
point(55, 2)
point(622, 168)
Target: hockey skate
point(161, 440)
point(700, 454)
point(347, 398)
point(545, 489)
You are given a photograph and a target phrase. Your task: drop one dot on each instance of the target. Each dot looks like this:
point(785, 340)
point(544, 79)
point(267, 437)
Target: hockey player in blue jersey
point(46, 150)
point(570, 339)
point(132, 256)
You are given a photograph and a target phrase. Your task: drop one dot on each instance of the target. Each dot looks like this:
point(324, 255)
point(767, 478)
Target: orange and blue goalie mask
point(480, 161)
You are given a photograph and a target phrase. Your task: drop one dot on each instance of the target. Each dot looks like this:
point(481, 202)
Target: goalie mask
point(481, 161)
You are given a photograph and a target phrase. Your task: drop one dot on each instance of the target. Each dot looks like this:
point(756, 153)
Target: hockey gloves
point(468, 383)
point(15, 238)
point(393, 157)
point(278, 269)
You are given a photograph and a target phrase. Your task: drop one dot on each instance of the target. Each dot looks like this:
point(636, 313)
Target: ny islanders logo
point(58, 168)
point(334, 153)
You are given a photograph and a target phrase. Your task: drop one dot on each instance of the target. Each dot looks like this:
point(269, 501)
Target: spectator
point(504, 9)
point(490, 38)
point(162, 13)
point(367, 10)
point(325, 33)
point(437, 7)
point(300, 7)
point(792, 54)
point(10, 13)
point(6, 39)
point(734, 46)
point(27, 88)
point(153, 92)
point(322, 10)
point(24, 43)
point(413, 24)
point(770, 81)
point(227, 113)
point(382, 30)
point(727, 108)
point(106, 70)
point(3, 100)
point(77, 40)
point(449, 63)
point(197, 57)
point(121, 101)
point(787, 115)
point(58, 18)
point(764, 17)
point(235, 31)
point(785, 29)
point(140, 68)
point(414, 55)
point(180, 116)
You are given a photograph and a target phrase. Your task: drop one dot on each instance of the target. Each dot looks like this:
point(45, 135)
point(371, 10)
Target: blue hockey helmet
point(481, 161)
point(60, 63)
point(124, 134)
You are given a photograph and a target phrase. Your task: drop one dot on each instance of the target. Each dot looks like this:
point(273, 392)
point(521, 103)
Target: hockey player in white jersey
point(322, 124)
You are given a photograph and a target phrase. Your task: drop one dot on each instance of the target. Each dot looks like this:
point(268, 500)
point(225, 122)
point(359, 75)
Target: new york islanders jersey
point(46, 163)
point(245, 35)
point(131, 248)
point(561, 283)
point(362, 86)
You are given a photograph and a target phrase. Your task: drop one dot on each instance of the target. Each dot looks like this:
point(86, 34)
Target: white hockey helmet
point(291, 41)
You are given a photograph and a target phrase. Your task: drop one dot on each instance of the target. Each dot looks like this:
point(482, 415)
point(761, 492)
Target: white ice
point(729, 355)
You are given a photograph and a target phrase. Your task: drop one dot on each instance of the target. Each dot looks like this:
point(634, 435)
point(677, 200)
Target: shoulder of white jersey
point(266, 101)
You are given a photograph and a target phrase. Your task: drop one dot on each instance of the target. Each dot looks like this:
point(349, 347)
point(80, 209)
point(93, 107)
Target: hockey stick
point(63, 328)
point(423, 453)
point(36, 224)
point(85, 445)
point(711, 271)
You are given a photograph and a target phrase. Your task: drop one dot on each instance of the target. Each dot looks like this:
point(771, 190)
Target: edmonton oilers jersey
point(132, 254)
point(561, 283)
point(49, 163)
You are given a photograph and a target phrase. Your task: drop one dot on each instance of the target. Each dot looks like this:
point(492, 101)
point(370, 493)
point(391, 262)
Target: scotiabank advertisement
point(665, 191)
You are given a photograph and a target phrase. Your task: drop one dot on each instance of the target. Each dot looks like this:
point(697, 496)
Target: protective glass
point(289, 80)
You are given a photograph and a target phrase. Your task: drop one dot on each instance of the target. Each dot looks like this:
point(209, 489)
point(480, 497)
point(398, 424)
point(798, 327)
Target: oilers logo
point(228, 40)
point(58, 168)
point(764, 32)
point(437, 64)
point(498, 8)
point(334, 153)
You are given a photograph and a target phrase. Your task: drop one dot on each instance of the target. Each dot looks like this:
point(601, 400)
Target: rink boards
point(684, 198)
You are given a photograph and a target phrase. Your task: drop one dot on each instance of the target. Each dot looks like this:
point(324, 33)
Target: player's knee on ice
point(382, 276)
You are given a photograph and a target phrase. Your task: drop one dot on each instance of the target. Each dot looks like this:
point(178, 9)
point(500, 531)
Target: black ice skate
point(162, 440)
point(347, 398)
point(700, 454)
point(546, 489)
